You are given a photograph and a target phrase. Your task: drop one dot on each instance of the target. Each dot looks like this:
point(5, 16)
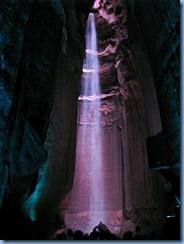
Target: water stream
point(89, 117)
point(96, 194)
point(88, 190)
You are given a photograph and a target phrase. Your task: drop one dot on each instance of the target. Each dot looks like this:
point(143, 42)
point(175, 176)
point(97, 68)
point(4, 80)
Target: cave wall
point(159, 25)
point(139, 115)
point(108, 35)
point(149, 43)
point(14, 18)
point(42, 51)
point(40, 82)
point(144, 73)
point(128, 111)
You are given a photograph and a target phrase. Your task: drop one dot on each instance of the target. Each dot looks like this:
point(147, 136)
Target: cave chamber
point(45, 183)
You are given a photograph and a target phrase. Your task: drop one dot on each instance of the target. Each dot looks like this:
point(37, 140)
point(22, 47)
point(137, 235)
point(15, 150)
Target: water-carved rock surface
point(40, 81)
point(39, 88)
point(124, 128)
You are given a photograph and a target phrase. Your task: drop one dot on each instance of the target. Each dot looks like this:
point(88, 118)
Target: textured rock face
point(41, 76)
point(14, 17)
point(159, 81)
point(123, 116)
point(134, 122)
point(38, 102)
point(161, 37)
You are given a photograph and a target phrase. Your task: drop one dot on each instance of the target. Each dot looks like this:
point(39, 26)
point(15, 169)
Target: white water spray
point(87, 199)
point(96, 194)
point(91, 83)
point(90, 118)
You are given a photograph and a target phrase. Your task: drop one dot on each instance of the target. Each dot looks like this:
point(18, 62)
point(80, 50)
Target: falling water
point(89, 117)
point(88, 189)
point(96, 194)
point(91, 85)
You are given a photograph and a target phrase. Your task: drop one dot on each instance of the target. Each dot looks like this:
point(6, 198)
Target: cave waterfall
point(89, 181)
point(97, 188)
point(89, 116)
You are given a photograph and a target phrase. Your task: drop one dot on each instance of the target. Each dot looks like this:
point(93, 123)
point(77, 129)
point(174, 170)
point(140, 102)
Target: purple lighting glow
point(90, 114)
point(97, 184)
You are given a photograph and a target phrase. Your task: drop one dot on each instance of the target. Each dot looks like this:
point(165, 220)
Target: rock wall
point(116, 55)
point(14, 17)
point(159, 24)
point(40, 83)
point(127, 115)
point(120, 31)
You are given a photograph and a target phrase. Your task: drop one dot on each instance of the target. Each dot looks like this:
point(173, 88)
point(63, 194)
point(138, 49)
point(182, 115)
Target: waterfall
point(91, 85)
point(89, 118)
point(87, 198)
point(97, 188)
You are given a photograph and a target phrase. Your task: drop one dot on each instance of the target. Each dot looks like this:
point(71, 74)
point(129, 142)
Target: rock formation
point(126, 117)
point(42, 45)
point(161, 39)
point(41, 76)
